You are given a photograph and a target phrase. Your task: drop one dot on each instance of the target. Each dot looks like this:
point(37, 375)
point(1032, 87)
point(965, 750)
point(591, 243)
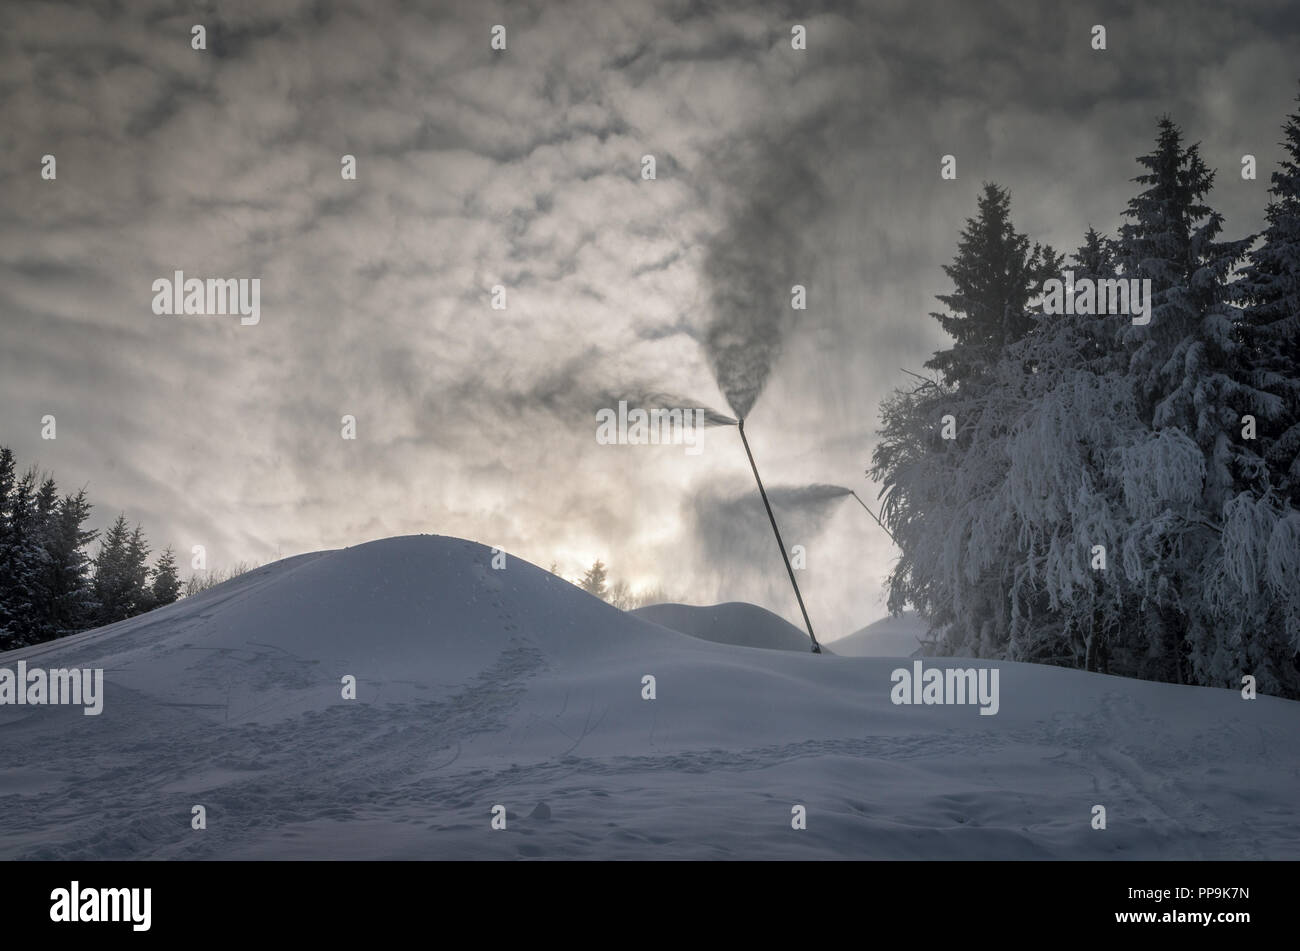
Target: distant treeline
point(50, 586)
point(595, 581)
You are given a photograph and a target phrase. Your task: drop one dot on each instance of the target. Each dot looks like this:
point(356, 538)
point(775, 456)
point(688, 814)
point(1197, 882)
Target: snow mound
point(744, 625)
point(598, 734)
point(888, 637)
point(409, 617)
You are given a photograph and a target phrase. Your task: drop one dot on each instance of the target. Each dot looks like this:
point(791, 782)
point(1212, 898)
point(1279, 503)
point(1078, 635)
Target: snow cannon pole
point(816, 648)
point(876, 517)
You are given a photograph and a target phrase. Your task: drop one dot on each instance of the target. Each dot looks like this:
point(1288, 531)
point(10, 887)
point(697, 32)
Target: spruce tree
point(1253, 585)
point(593, 582)
point(6, 478)
point(137, 560)
point(1182, 359)
point(1183, 480)
point(112, 586)
point(166, 585)
point(995, 275)
point(46, 505)
point(1095, 258)
point(72, 604)
point(1101, 506)
point(1270, 291)
point(47, 501)
point(22, 561)
point(6, 503)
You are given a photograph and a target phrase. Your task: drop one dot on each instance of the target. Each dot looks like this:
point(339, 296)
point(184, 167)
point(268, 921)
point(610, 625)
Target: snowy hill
point(744, 625)
point(479, 687)
point(888, 637)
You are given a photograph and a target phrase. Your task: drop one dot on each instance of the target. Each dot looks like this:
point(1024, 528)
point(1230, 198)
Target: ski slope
point(479, 687)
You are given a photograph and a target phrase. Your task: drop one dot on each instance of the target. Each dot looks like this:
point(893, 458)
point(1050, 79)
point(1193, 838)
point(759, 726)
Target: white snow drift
point(737, 623)
point(889, 637)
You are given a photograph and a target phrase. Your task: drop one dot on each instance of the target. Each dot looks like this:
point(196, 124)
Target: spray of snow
point(753, 261)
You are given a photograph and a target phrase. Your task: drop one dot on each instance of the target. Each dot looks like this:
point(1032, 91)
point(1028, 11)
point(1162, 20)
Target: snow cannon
point(816, 648)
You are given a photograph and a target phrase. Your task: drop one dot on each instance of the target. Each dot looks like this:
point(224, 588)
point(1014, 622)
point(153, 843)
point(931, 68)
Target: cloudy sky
point(522, 168)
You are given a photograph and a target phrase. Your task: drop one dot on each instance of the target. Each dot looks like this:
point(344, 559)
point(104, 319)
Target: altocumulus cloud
point(522, 169)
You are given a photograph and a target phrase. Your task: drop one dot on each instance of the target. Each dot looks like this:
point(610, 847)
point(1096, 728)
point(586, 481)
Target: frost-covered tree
point(1190, 550)
point(1059, 505)
point(1251, 583)
point(1078, 491)
point(940, 458)
point(1270, 291)
point(1182, 360)
point(1250, 598)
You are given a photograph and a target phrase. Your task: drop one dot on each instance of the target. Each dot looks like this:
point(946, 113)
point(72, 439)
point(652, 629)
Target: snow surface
point(479, 687)
point(738, 623)
point(888, 637)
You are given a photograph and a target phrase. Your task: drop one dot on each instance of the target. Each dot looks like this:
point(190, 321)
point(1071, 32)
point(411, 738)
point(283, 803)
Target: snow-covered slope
point(480, 687)
point(888, 637)
point(738, 623)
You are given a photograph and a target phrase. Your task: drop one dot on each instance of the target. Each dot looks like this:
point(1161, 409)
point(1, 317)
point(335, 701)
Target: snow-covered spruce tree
point(1252, 589)
point(1198, 536)
point(1182, 359)
point(938, 457)
point(1270, 292)
point(1098, 507)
